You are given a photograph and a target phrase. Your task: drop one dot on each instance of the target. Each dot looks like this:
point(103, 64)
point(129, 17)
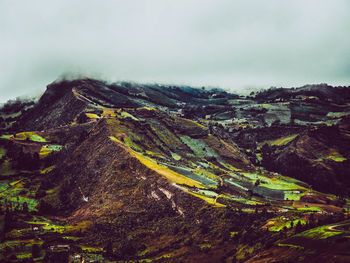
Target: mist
point(235, 45)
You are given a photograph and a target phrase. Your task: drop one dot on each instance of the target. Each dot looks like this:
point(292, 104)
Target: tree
point(109, 248)
point(267, 155)
point(298, 227)
point(257, 182)
point(127, 249)
point(35, 251)
point(7, 221)
point(25, 207)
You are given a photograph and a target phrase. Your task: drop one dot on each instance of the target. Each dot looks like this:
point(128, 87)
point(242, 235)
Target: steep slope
point(319, 157)
point(102, 175)
point(58, 106)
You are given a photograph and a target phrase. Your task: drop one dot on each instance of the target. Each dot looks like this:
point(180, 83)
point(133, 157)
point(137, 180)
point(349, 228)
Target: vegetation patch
point(6, 137)
point(163, 170)
point(128, 115)
point(6, 168)
point(280, 141)
point(2, 152)
point(29, 136)
point(199, 147)
point(92, 116)
point(290, 245)
point(47, 149)
point(337, 157)
point(281, 223)
point(321, 232)
point(48, 169)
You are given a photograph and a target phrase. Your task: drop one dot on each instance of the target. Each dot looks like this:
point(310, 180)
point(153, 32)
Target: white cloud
point(233, 44)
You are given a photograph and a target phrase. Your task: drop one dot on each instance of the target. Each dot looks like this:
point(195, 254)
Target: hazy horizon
point(233, 45)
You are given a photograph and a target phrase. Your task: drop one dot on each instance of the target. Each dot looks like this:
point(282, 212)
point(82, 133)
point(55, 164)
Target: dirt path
point(333, 228)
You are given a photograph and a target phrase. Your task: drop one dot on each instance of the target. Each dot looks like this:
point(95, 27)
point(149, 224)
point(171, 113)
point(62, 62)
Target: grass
point(205, 173)
point(208, 193)
point(10, 191)
point(259, 156)
point(108, 113)
point(321, 232)
point(311, 209)
point(147, 108)
point(209, 200)
point(30, 136)
point(62, 229)
point(2, 152)
point(92, 115)
point(128, 137)
point(54, 190)
point(54, 147)
point(6, 137)
point(128, 142)
point(337, 157)
point(236, 185)
point(164, 171)
point(44, 152)
point(279, 223)
point(334, 156)
point(13, 243)
point(71, 238)
point(19, 200)
point(128, 115)
point(280, 141)
point(6, 169)
point(188, 123)
point(47, 149)
point(243, 201)
point(289, 245)
point(90, 249)
point(278, 183)
point(289, 195)
point(24, 255)
point(199, 147)
point(167, 137)
point(229, 166)
point(337, 114)
point(22, 249)
point(199, 177)
point(175, 156)
point(174, 177)
point(48, 169)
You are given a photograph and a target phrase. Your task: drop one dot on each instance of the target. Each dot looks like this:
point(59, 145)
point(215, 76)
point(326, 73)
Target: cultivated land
point(127, 172)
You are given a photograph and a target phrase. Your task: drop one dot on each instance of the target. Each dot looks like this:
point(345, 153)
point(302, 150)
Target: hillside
point(130, 172)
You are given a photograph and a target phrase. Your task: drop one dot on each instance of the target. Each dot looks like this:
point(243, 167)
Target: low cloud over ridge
point(231, 44)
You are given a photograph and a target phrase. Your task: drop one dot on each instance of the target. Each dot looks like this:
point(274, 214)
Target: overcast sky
point(230, 44)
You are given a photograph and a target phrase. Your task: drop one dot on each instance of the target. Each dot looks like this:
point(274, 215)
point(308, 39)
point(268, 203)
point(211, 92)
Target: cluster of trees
point(21, 160)
point(294, 166)
point(13, 106)
point(215, 224)
point(10, 210)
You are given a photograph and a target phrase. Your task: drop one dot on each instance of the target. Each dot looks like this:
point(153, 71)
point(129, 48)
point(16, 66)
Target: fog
point(235, 45)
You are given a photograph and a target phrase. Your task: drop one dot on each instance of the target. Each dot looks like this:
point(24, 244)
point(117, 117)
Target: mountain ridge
point(116, 167)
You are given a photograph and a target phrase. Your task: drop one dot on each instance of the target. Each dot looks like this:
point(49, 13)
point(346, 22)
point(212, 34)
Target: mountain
point(127, 172)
